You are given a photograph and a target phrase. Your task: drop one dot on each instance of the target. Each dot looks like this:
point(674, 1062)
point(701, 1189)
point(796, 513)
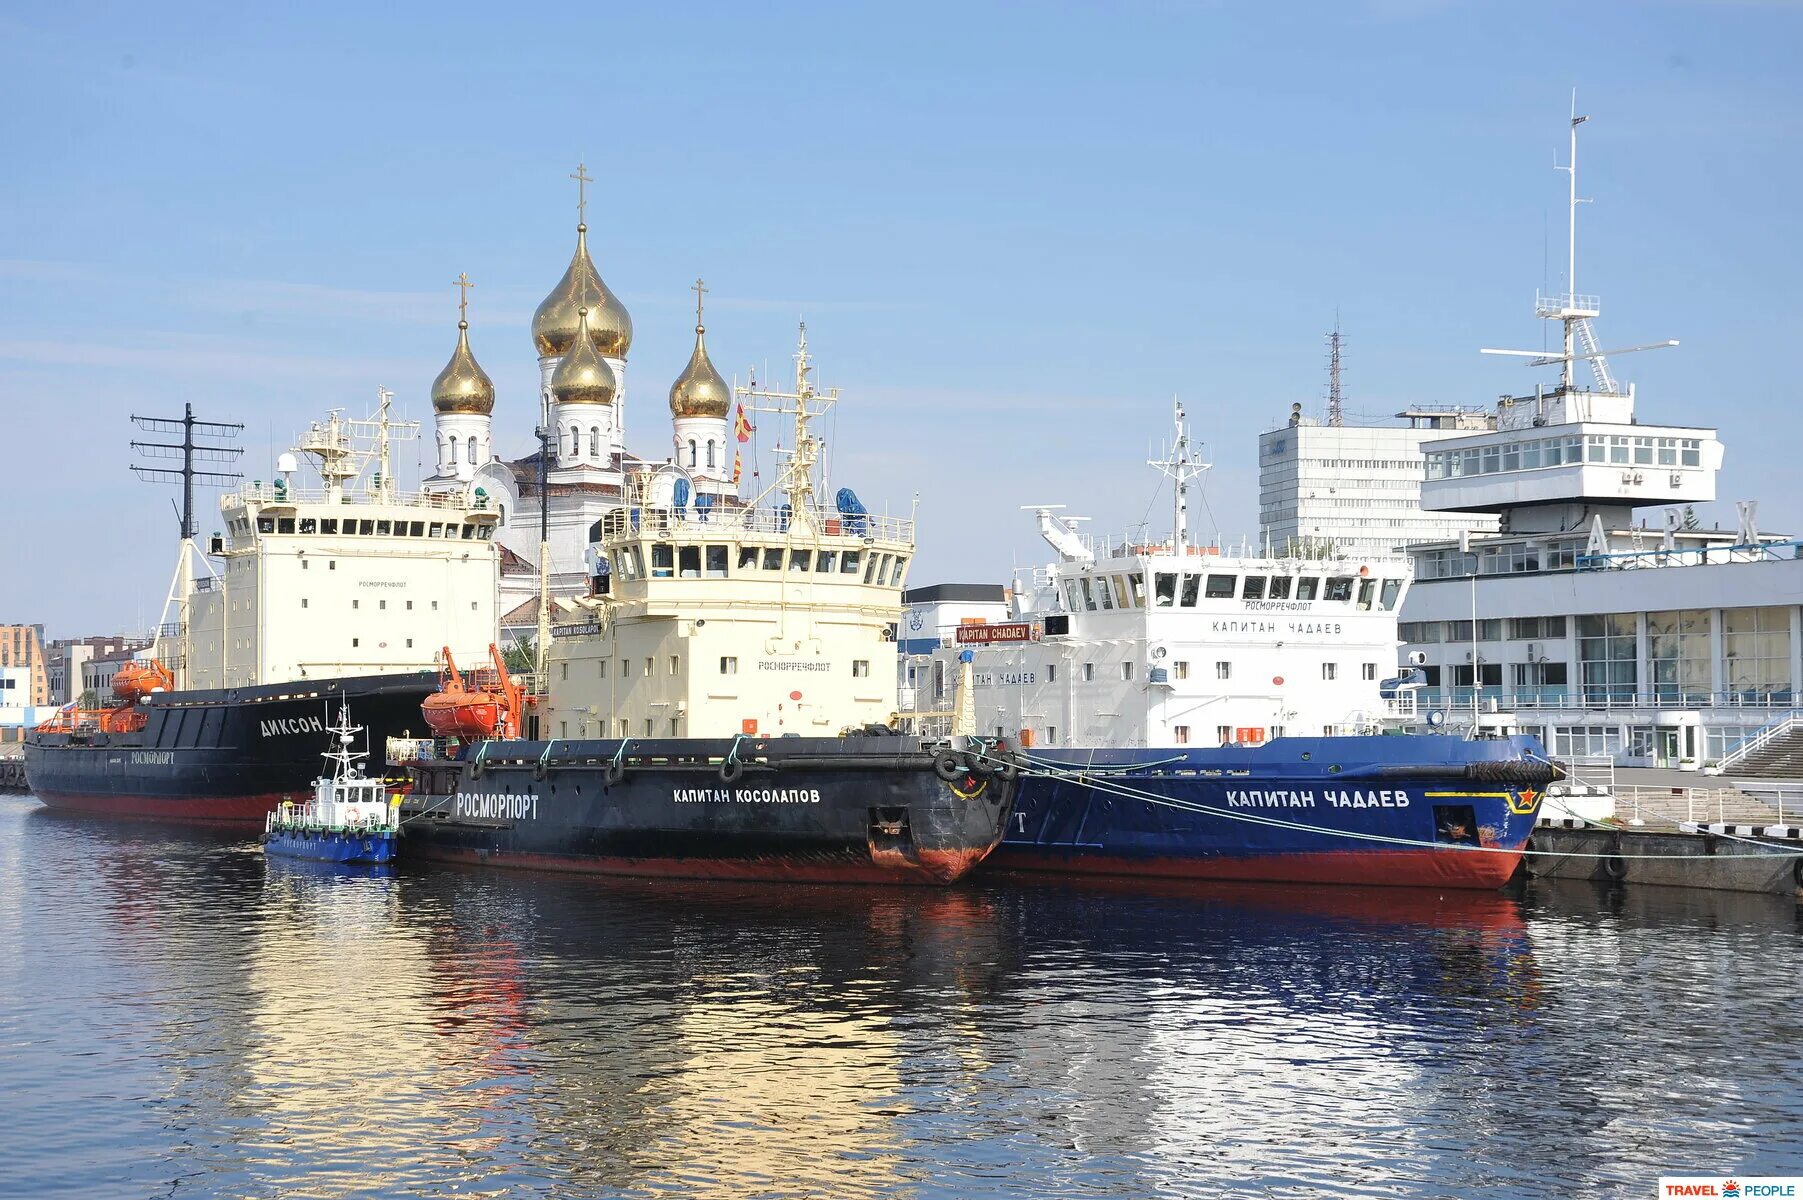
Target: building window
point(1756, 652)
point(692, 462)
point(409, 643)
point(1127, 670)
point(650, 670)
point(729, 665)
point(1180, 734)
point(648, 726)
point(860, 668)
point(1225, 734)
point(1051, 735)
point(303, 602)
point(1607, 669)
point(472, 444)
point(1678, 653)
point(675, 665)
point(434, 606)
point(1223, 670)
point(710, 454)
point(1180, 670)
point(1330, 670)
point(1089, 672)
point(382, 604)
point(355, 643)
point(1369, 671)
point(356, 603)
point(1051, 672)
point(409, 606)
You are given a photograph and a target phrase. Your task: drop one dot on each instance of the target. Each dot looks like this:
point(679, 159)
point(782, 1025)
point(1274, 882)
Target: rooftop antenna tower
point(807, 402)
point(1336, 413)
point(1573, 309)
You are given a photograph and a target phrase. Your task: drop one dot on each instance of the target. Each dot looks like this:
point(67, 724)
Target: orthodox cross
point(583, 179)
point(463, 285)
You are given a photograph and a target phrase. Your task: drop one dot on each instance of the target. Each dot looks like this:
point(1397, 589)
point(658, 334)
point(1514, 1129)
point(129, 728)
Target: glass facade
point(1756, 651)
point(1678, 652)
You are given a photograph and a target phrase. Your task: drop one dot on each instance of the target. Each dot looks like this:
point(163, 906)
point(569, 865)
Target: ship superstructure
point(1164, 642)
point(346, 577)
point(778, 617)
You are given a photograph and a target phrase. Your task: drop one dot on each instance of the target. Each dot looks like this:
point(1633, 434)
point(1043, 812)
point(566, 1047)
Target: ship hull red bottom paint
point(1423, 811)
point(814, 810)
point(225, 756)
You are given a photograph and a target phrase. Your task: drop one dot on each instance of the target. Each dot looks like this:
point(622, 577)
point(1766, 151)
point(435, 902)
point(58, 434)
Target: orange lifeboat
point(485, 705)
point(136, 680)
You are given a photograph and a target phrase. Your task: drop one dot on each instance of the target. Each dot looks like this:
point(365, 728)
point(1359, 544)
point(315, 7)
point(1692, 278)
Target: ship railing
point(702, 523)
point(266, 494)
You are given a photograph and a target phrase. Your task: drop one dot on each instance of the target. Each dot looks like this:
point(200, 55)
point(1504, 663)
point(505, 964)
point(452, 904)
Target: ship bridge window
point(1367, 592)
point(437, 529)
point(1392, 591)
point(688, 560)
point(1164, 589)
point(1339, 588)
point(1307, 588)
point(773, 558)
point(663, 560)
point(800, 561)
point(285, 525)
point(1089, 596)
point(850, 562)
point(1120, 590)
point(1220, 587)
point(1254, 589)
point(417, 529)
point(309, 525)
point(1104, 596)
point(827, 562)
point(748, 558)
point(1279, 589)
point(265, 524)
point(901, 567)
point(382, 529)
point(366, 527)
point(1192, 585)
point(1136, 589)
point(716, 562)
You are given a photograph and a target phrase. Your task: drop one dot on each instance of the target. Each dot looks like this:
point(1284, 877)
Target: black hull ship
point(823, 810)
point(227, 755)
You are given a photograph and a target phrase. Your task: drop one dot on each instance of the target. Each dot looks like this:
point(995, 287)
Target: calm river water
point(180, 1018)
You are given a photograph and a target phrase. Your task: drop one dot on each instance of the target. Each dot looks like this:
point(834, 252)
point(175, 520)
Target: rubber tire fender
point(1007, 770)
point(614, 772)
point(538, 769)
point(1796, 872)
point(1615, 867)
point(475, 770)
point(730, 770)
point(948, 767)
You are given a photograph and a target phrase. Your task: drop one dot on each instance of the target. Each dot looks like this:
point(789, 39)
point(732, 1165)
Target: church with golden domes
point(583, 336)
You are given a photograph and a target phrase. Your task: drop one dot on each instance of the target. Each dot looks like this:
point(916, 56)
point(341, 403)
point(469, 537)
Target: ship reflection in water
point(183, 1017)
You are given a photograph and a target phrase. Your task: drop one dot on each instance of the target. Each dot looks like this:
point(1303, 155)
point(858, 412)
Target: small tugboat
point(348, 820)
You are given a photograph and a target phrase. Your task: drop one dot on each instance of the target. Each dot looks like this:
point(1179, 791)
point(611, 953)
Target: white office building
point(1355, 490)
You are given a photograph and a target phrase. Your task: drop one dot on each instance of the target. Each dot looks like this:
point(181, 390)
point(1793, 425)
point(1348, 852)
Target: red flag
point(741, 426)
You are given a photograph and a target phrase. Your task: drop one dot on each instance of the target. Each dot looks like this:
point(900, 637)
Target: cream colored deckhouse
point(713, 619)
point(349, 578)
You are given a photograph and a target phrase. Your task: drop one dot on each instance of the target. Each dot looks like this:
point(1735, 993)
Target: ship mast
point(1181, 468)
point(796, 480)
point(189, 451)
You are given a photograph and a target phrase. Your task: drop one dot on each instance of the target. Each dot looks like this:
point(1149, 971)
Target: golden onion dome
point(554, 324)
point(463, 386)
point(699, 391)
point(583, 376)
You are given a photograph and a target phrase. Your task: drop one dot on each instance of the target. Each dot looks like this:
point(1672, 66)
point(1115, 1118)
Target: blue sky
point(1014, 230)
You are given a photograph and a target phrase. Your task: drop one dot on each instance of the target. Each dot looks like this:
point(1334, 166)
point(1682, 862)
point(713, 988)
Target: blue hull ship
point(1425, 811)
point(334, 846)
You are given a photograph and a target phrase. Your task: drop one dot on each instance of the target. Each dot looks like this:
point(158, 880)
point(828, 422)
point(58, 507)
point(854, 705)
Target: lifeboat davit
point(486, 705)
point(136, 680)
